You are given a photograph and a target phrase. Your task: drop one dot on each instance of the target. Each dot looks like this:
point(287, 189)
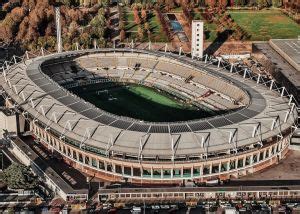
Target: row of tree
point(170, 4)
point(18, 176)
point(31, 24)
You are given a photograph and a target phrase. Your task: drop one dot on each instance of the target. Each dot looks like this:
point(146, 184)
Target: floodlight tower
point(58, 30)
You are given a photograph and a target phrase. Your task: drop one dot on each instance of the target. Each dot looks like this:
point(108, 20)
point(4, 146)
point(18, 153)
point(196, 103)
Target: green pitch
point(141, 102)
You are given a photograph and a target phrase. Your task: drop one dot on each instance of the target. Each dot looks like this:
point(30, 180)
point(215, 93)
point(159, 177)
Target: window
point(109, 167)
point(80, 157)
point(127, 170)
point(94, 162)
point(167, 173)
point(74, 155)
point(232, 164)
point(118, 169)
point(146, 173)
point(254, 158)
point(177, 172)
point(87, 160)
point(224, 167)
point(247, 161)
point(196, 172)
point(156, 173)
point(186, 172)
point(101, 165)
point(261, 156)
point(137, 172)
point(240, 163)
point(206, 170)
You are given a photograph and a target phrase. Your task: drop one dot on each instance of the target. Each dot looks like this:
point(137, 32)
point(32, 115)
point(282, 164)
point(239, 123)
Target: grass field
point(266, 24)
point(143, 103)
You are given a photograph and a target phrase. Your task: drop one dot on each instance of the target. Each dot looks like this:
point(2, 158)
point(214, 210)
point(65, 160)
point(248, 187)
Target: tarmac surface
point(286, 169)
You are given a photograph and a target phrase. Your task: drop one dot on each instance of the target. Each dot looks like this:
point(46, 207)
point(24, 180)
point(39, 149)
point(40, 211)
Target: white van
point(136, 210)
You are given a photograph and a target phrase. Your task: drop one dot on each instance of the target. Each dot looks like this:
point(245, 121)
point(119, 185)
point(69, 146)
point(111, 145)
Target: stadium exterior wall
point(112, 169)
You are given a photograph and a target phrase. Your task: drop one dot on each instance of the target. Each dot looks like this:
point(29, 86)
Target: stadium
point(150, 117)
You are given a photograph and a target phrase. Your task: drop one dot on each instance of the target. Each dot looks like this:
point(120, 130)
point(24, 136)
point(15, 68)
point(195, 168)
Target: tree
point(277, 3)
point(147, 26)
point(140, 32)
point(262, 3)
point(122, 35)
point(98, 24)
point(144, 15)
point(18, 176)
point(137, 19)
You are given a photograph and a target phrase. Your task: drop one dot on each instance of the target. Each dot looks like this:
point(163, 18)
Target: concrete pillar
point(258, 79)
point(105, 166)
point(122, 168)
point(206, 58)
point(90, 160)
point(245, 73)
point(251, 159)
point(272, 83)
point(97, 163)
point(27, 55)
point(219, 62)
point(231, 68)
point(291, 99)
point(282, 91)
point(113, 168)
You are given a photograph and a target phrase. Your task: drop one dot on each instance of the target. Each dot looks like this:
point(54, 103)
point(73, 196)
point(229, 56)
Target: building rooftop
point(289, 49)
point(285, 58)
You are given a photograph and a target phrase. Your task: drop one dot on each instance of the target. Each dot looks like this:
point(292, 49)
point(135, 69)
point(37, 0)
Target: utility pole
point(58, 30)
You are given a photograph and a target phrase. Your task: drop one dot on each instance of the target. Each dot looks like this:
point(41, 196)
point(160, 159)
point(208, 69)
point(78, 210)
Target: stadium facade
point(253, 134)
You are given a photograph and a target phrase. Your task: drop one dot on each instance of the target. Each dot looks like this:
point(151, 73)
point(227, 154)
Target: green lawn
point(266, 24)
point(141, 102)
